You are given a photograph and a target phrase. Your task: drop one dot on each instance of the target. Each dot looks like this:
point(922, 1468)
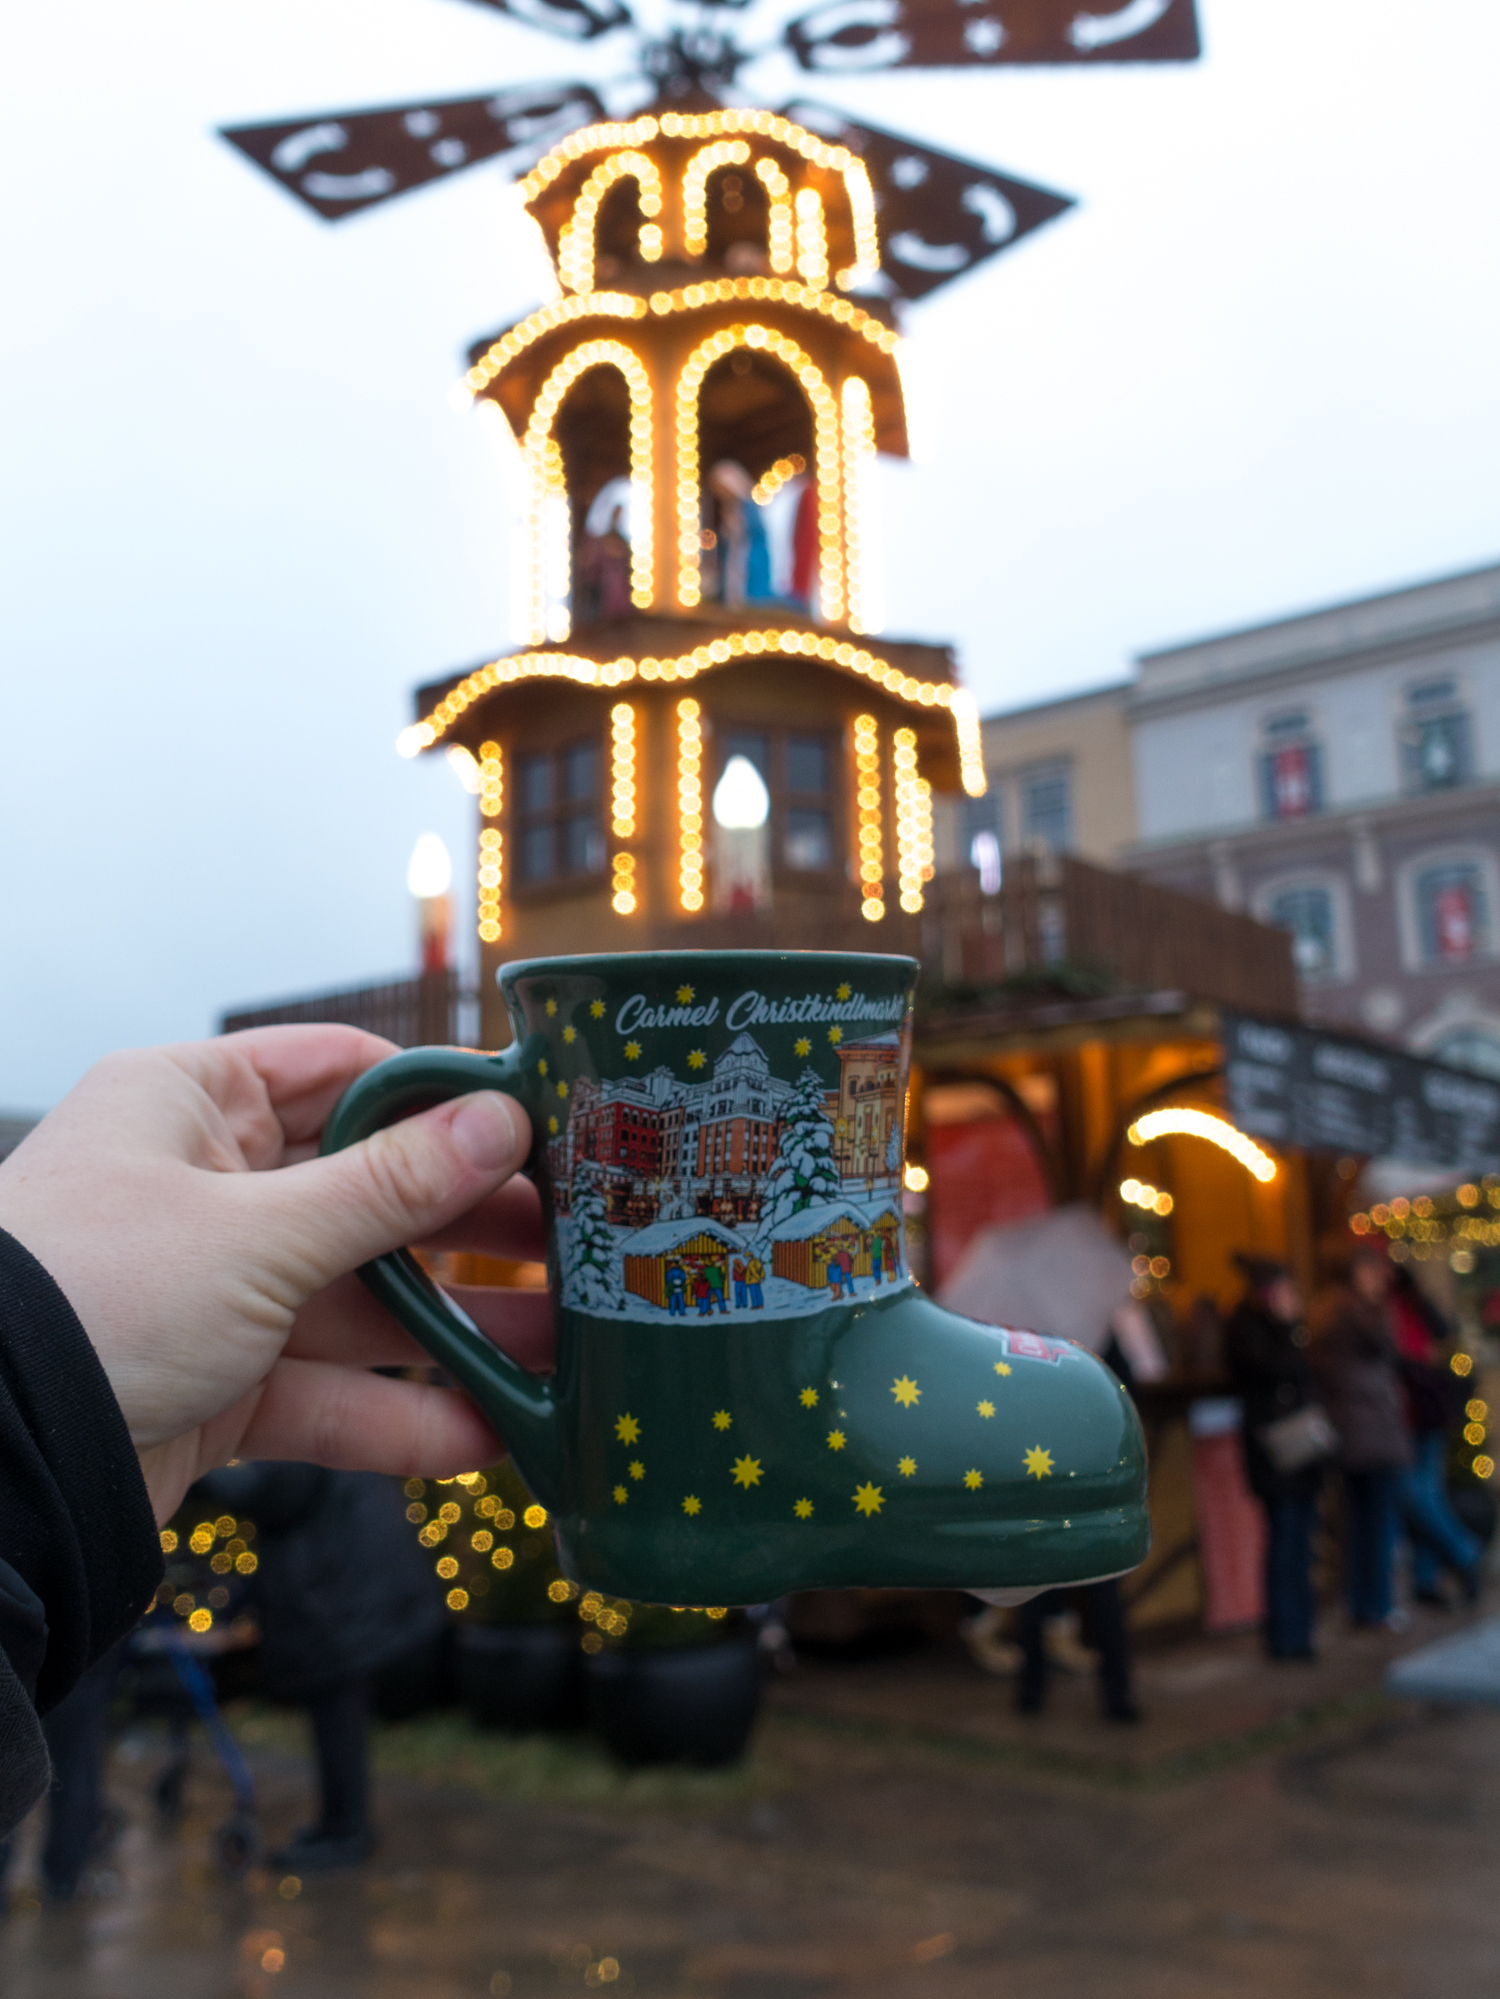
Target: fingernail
point(486, 1130)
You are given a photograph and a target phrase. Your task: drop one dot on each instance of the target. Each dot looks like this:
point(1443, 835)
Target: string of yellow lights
point(722, 153)
point(544, 460)
point(622, 824)
point(689, 804)
point(812, 238)
point(826, 444)
point(687, 298)
point(769, 484)
point(575, 245)
point(867, 808)
point(914, 848)
point(491, 878)
point(859, 459)
point(779, 220)
point(419, 736)
point(1174, 1121)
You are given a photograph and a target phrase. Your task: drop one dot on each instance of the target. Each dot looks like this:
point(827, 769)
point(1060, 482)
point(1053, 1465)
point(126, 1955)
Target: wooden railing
point(413, 1013)
point(1054, 912)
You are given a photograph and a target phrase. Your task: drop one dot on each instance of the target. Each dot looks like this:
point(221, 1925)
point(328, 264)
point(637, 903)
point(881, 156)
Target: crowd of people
point(1355, 1383)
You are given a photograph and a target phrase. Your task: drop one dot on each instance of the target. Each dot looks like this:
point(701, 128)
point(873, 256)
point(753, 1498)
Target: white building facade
point(1338, 774)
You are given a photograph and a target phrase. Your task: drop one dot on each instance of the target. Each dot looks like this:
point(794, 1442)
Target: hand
point(176, 1198)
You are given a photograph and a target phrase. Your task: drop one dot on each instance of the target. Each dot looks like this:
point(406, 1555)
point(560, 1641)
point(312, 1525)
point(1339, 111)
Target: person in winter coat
point(1265, 1347)
point(1434, 1403)
point(342, 1588)
point(1354, 1363)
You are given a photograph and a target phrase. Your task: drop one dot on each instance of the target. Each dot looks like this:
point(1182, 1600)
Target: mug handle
point(520, 1404)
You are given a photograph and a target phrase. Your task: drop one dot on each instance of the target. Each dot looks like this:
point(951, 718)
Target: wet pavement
point(896, 1832)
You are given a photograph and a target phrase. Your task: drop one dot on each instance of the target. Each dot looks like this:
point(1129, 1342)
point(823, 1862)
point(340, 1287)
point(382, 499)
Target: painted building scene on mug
point(761, 1175)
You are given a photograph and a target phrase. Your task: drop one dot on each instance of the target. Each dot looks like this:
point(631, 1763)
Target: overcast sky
point(1253, 371)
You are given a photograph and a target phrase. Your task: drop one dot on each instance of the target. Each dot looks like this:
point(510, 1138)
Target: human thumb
point(395, 1187)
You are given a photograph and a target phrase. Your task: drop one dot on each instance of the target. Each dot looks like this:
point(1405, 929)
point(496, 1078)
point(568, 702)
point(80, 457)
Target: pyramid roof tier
point(662, 1237)
point(512, 367)
point(679, 651)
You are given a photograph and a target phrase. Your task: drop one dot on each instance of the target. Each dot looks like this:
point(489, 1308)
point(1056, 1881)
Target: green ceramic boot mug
point(752, 1396)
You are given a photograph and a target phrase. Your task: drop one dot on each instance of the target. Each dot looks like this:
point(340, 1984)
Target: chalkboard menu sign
point(1300, 1086)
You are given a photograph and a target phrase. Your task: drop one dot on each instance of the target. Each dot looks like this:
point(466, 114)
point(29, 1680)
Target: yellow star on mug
point(596, 1008)
point(692, 1506)
point(802, 1046)
point(746, 1472)
point(973, 1480)
point(626, 1428)
point(835, 1440)
point(906, 1466)
point(1038, 1462)
point(867, 1499)
point(570, 1035)
point(803, 1509)
point(906, 1391)
point(620, 1495)
point(809, 1398)
point(722, 1419)
point(697, 1059)
point(684, 995)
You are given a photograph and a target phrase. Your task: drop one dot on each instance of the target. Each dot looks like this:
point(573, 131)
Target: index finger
point(276, 1086)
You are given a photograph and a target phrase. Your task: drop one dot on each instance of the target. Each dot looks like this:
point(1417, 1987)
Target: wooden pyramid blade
point(340, 162)
point(848, 36)
point(938, 215)
point(575, 20)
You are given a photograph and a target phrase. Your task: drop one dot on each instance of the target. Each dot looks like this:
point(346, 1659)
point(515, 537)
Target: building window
point(1308, 913)
point(1291, 769)
point(798, 770)
point(559, 830)
point(1047, 808)
point(1453, 922)
point(808, 842)
point(1435, 737)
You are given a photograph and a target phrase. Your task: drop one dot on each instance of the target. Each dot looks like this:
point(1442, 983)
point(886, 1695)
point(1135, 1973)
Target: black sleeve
point(76, 1528)
point(23, 1749)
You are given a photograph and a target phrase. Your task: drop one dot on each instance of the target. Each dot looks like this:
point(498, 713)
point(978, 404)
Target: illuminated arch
point(722, 153)
point(544, 463)
point(575, 247)
point(1177, 1122)
point(714, 125)
point(827, 470)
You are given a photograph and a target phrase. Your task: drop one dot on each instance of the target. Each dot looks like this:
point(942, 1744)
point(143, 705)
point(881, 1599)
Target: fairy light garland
point(622, 824)
point(722, 153)
point(769, 484)
point(689, 805)
point(779, 236)
point(867, 806)
point(544, 461)
point(812, 239)
point(826, 435)
point(420, 736)
point(575, 247)
point(971, 771)
point(914, 848)
point(1177, 1123)
point(491, 876)
point(859, 462)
